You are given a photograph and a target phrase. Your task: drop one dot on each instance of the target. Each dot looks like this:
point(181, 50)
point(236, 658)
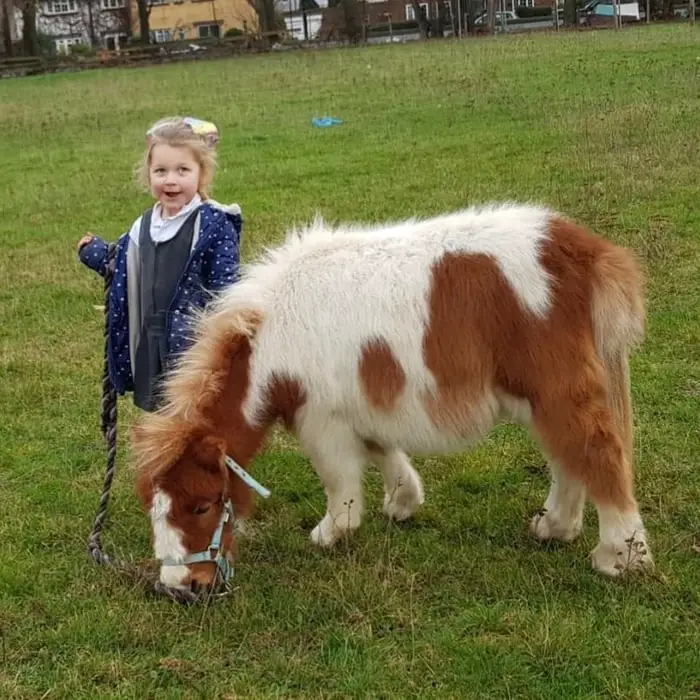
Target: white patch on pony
point(167, 542)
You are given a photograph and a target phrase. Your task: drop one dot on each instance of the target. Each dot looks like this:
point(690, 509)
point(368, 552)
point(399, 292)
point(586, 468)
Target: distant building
point(95, 23)
point(176, 20)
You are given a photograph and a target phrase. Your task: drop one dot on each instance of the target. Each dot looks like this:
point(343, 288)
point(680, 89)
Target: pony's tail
point(619, 324)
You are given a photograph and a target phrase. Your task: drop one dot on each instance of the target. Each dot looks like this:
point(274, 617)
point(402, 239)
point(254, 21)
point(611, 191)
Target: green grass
point(461, 602)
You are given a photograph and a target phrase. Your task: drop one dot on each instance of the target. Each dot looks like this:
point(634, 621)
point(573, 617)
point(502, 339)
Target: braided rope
point(108, 426)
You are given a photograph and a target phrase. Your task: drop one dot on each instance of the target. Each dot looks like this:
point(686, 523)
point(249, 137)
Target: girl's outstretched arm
point(92, 252)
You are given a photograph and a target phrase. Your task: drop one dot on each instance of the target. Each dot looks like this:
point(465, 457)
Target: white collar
point(159, 220)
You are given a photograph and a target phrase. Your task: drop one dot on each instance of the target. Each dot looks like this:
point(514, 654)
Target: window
point(208, 30)
point(411, 15)
point(63, 45)
point(525, 3)
point(112, 4)
point(160, 36)
point(61, 7)
point(114, 41)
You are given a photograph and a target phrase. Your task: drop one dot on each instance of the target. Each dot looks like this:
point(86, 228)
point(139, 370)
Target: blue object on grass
point(326, 121)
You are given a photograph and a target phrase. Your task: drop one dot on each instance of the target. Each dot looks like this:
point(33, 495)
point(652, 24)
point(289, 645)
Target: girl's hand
point(87, 238)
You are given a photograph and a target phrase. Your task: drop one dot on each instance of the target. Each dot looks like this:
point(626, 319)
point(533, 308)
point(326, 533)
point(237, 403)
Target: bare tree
point(269, 18)
point(423, 24)
point(352, 19)
point(7, 12)
point(144, 7)
point(30, 37)
point(491, 16)
point(441, 20)
point(570, 13)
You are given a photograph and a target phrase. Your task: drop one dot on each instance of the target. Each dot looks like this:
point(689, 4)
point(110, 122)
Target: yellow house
point(175, 20)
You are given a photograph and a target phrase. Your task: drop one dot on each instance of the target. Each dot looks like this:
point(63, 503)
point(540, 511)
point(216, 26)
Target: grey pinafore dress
point(162, 267)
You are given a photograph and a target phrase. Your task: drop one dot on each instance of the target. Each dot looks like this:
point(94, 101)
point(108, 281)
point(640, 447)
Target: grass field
point(462, 602)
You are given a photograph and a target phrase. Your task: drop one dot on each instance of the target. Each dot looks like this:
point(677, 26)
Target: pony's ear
point(209, 452)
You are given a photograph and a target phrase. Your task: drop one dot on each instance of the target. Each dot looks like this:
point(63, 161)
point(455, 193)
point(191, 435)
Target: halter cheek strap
point(213, 552)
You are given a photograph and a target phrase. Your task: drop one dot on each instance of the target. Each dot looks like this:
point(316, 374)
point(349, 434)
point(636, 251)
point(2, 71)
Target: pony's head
point(187, 479)
point(193, 502)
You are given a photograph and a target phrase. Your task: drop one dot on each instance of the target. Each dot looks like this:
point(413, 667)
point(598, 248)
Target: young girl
point(176, 254)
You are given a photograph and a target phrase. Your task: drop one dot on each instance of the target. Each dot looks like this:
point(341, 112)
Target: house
point(302, 18)
point(9, 30)
point(380, 12)
point(398, 12)
point(97, 23)
point(173, 20)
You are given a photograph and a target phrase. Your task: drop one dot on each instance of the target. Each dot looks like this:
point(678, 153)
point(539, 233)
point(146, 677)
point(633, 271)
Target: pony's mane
point(192, 387)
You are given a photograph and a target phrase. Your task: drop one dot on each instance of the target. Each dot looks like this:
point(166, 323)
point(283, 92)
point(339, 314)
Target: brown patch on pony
point(381, 375)
point(287, 396)
point(480, 343)
point(466, 293)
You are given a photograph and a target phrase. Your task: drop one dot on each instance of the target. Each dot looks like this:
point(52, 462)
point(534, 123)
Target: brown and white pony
point(371, 342)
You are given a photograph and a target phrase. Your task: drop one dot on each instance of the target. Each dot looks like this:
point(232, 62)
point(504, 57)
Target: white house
point(294, 18)
point(98, 23)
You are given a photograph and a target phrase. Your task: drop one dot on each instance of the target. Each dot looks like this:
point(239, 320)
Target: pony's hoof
point(614, 560)
point(546, 526)
point(404, 501)
point(325, 534)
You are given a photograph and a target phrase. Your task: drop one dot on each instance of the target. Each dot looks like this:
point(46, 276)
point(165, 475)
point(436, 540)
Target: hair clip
point(207, 131)
point(203, 129)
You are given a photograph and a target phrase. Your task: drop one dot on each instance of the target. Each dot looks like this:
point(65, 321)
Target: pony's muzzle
point(204, 577)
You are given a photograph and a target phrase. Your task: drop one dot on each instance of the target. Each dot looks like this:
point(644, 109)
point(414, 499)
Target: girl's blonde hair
point(178, 132)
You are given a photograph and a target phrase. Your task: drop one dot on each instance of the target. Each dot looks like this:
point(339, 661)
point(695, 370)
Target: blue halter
point(213, 551)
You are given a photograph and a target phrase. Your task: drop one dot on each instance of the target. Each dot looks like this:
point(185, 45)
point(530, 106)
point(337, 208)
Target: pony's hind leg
point(338, 456)
point(403, 487)
point(561, 517)
point(578, 430)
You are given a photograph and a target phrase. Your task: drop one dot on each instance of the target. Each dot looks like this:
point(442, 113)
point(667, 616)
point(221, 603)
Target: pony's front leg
point(338, 456)
point(403, 487)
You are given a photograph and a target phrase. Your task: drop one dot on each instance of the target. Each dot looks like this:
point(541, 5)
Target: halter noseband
point(213, 551)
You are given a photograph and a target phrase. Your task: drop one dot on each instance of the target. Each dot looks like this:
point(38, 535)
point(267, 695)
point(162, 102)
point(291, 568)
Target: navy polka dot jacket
point(213, 265)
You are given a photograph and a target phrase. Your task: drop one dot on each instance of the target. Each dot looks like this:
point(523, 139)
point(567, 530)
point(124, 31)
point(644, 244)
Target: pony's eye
point(200, 510)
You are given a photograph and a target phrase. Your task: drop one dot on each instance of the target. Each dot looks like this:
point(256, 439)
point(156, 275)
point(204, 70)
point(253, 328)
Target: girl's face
point(174, 177)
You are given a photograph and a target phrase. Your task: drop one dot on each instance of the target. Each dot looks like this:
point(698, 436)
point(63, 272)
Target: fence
point(614, 15)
